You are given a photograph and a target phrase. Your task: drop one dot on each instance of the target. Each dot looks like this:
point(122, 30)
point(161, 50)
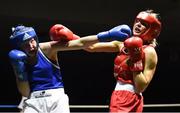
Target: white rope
point(103, 106)
point(89, 106)
point(162, 105)
point(106, 106)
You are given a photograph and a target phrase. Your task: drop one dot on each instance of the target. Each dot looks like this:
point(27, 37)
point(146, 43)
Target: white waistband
point(124, 86)
point(46, 93)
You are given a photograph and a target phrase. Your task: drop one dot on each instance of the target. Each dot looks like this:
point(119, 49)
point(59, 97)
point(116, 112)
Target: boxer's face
point(30, 47)
point(140, 26)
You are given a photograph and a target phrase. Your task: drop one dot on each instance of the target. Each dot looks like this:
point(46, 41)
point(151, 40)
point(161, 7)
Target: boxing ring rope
point(103, 106)
point(106, 106)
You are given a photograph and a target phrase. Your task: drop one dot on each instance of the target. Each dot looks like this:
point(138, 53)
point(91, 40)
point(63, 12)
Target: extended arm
point(119, 33)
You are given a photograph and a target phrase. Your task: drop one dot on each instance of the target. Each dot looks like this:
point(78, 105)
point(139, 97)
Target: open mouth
point(137, 30)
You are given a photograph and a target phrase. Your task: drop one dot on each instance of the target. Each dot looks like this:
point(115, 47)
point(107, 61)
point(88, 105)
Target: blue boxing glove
point(17, 59)
point(119, 33)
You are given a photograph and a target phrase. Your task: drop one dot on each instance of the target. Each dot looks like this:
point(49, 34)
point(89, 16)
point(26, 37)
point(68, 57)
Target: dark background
point(88, 77)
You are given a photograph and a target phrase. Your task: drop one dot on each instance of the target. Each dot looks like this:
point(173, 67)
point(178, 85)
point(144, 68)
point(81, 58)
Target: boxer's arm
point(88, 43)
point(113, 46)
point(23, 87)
point(118, 33)
point(17, 59)
point(143, 79)
point(59, 35)
point(63, 40)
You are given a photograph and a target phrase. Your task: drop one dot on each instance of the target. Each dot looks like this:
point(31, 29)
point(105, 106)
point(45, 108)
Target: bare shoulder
point(44, 45)
point(150, 51)
point(47, 49)
point(151, 55)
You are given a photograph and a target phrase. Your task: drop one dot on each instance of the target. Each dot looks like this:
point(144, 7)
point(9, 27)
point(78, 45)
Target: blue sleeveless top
point(44, 74)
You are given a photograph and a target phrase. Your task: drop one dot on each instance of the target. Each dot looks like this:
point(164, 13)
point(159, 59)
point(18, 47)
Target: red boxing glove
point(59, 32)
point(134, 47)
point(136, 66)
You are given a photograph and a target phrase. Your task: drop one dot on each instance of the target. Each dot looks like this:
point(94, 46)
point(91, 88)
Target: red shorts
point(126, 101)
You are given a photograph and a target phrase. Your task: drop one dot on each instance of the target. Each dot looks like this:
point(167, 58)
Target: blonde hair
point(154, 43)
